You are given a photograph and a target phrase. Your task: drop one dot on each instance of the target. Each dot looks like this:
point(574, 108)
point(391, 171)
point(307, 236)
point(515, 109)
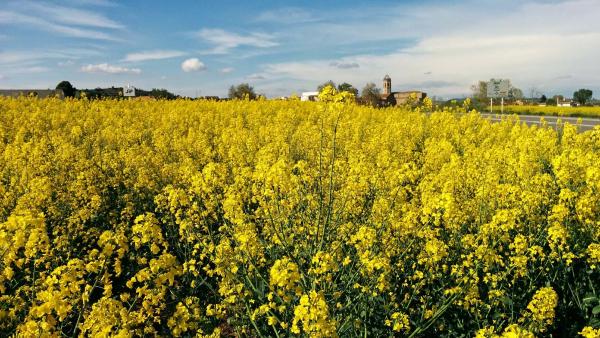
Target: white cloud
point(110, 69)
point(2, 77)
point(152, 55)
point(225, 41)
point(192, 65)
point(227, 70)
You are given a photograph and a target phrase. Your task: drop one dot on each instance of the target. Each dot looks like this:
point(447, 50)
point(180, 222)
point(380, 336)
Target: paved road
point(586, 123)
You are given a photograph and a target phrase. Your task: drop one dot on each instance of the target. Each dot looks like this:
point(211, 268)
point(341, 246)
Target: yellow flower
point(542, 307)
point(313, 314)
point(284, 276)
point(399, 322)
point(593, 253)
point(589, 332)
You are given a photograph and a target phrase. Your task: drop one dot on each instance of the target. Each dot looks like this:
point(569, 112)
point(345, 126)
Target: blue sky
point(281, 47)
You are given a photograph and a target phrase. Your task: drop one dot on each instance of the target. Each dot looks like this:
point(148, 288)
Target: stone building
point(390, 98)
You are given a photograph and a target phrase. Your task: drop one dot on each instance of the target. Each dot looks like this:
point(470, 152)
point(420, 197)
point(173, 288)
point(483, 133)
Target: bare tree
point(371, 95)
point(534, 92)
point(479, 91)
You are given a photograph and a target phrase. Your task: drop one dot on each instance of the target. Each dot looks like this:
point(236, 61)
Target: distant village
point(370, 95)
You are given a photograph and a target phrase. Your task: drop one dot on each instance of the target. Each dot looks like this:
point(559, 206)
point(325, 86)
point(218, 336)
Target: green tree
point(242, 91)
point(583, 96)
point(67, 88)
point(371, 95)
point(161, 94)
point(346, 87)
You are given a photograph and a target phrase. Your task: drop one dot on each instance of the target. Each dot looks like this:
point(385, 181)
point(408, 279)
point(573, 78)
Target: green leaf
point(596, 310)
point(506, 301)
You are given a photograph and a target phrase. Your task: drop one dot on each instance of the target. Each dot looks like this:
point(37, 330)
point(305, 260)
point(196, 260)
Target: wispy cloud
point(563, 77)
point(31, 70)
point(192, 65)
point(227, 70)
point(99, 3)
point(289, 15)
point(109, 69)
point(66, 63)
point(224, 41)
point(69, 15)
point(152, 55)
point(255, 77)
point(9, 17)
point(11, 57)
point(21, 57)
point(24, 69)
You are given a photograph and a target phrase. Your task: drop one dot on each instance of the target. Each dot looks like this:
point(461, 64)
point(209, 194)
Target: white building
point(564, 104)
point(310, 96)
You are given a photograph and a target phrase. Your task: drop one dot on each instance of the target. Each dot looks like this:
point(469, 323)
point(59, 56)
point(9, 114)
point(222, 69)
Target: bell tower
point(387, 85)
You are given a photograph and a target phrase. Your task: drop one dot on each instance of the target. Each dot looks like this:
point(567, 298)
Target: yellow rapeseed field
point(553, 111)
point(122, 218)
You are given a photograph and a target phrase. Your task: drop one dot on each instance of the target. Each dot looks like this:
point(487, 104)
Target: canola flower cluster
point(122, 218)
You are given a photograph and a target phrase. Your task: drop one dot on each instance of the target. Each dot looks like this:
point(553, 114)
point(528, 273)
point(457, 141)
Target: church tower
point(387, 85)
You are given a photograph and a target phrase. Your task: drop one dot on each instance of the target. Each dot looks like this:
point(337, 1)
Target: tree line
point(113, 92)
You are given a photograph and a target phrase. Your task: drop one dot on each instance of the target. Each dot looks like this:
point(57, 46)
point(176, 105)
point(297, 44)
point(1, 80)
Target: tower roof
point(387, 77)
